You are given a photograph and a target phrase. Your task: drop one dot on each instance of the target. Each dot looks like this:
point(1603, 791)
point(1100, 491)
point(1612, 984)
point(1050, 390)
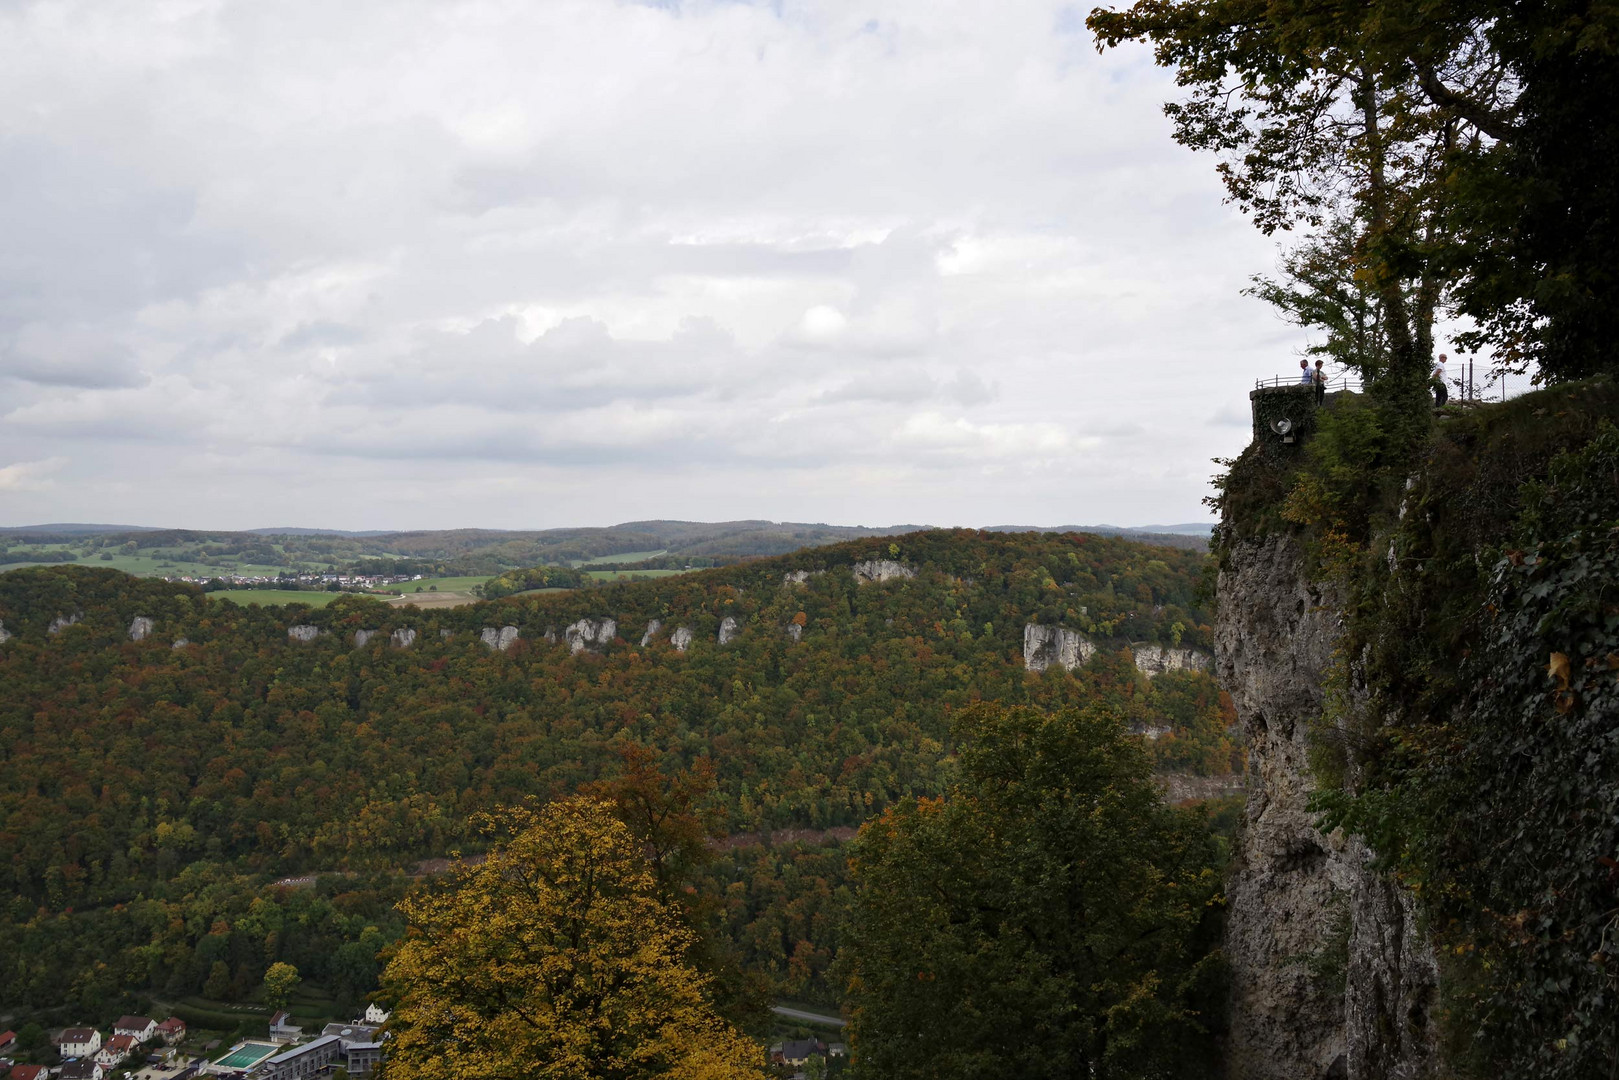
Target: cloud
point(30, 475)
point(893, 260)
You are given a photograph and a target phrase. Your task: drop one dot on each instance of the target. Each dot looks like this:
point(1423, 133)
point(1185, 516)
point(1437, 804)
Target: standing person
point(1306, 376)
point(1440, 393)
point(1320, 376)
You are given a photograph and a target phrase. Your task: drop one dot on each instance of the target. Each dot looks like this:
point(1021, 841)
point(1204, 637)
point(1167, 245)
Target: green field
point(628, 556)
point(628, 575)
point(159, 566)
point(271, 597)
point(438, 584)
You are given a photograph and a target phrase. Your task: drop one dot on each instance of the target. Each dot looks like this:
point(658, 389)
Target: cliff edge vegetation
point(1470, 728)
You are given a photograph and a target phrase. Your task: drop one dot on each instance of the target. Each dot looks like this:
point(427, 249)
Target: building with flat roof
point(303, 1061)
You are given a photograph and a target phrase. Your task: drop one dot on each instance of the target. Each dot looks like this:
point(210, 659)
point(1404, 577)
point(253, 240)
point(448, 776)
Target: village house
point(78, 1042)
point(376, 1014)
point(282, 1029)
point(29, 1072)
point(172, 1030)
point(7, 1040)
point(117, 1050)
point(83, 1069)
point(138, 1028)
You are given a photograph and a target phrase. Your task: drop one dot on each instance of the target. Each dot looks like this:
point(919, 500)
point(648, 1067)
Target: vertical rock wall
point(1331, 976)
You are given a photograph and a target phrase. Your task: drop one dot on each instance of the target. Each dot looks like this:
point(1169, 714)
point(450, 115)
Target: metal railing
point(1334, 385)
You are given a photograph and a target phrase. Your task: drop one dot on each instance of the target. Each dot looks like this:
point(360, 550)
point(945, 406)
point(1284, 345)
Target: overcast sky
point(544, 263)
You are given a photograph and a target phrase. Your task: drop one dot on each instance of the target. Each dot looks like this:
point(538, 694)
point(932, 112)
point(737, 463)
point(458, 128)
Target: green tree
point(1047, 917)
point(218, 984)
point(555, 958)
point(279, 981)
point(1454, 136)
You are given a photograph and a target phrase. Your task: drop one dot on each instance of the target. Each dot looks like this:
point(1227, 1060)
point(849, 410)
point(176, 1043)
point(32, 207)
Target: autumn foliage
point(555, 959)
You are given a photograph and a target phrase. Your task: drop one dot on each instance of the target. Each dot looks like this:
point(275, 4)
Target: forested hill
point(178, 774)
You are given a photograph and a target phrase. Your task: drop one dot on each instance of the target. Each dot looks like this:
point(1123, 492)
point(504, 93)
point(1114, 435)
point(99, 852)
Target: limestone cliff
point(1330, 975)
point(590, 634)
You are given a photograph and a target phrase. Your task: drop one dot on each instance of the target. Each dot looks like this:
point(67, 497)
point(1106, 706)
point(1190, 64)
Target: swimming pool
point(246, 1055)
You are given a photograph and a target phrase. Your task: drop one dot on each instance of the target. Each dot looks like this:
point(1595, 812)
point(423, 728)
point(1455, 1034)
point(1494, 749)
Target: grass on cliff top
point(1480, 452)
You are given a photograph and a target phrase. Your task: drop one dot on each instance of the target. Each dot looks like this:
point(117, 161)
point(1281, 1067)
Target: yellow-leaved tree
point(555, 959)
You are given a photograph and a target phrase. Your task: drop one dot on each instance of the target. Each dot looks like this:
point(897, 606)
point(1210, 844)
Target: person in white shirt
point(1440, 392)
point(1306, 376)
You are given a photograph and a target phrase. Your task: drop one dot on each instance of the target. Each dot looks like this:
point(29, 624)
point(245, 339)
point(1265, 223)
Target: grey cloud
point(907, 255)
point(68, 356)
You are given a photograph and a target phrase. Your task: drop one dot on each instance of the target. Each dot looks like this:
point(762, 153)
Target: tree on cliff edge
point(1457, 140)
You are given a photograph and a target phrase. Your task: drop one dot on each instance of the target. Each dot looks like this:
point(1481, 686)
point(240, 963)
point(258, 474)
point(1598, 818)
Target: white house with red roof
point(118, 1048)
point(172, 1030)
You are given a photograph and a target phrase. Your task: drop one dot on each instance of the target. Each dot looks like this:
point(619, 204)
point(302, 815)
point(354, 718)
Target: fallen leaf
point(1558, 669)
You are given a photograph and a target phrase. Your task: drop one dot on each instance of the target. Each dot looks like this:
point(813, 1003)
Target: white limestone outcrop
point(180, 643)
point(800, 577)
point(729, 629)
point(681, 638)
point(652, 629)
point(882, 570)
point(445, 635)
point(62, 622)
point(361, 637)
point(498, 640)
point(590, 632)
point(140, 627)
point(1047, 645)
point(1157, 659)
point(303, 632)
point(795, 631)
point(5, 635)
point(402, 638)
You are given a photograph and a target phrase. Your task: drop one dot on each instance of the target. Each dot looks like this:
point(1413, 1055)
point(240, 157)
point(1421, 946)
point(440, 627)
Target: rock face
point(303, 632)
point(729, 629)
point(681, 638)
point(62, 622)
point(652, 629)
point(445, 635)
point(881, 570)
point(1047, 645)
point(180, 643)
point(139, 627)
point(802, 577)
point(1297, 896)
point(402, 638)
point(795, 631)
point(5, 635)
point(1181, 787)
point(1157, 659)
point(589, 633)
point(361, 637)
point(499, 640)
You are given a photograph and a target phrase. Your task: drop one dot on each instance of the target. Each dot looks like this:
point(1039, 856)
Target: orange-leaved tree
point(555, 959)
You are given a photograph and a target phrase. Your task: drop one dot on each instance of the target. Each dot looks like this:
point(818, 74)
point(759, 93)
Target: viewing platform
point(1284, 408)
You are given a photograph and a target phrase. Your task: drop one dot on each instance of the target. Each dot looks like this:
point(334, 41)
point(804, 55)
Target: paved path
point(800, 1014)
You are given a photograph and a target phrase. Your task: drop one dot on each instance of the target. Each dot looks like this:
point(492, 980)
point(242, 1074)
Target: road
point(800, 1014)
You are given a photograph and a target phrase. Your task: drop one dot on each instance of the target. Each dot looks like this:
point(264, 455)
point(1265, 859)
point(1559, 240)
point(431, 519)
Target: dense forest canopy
point(150, 790)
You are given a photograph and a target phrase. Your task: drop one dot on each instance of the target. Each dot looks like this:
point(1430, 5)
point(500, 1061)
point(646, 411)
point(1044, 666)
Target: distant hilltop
point(675, 529)
point(294, 557)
